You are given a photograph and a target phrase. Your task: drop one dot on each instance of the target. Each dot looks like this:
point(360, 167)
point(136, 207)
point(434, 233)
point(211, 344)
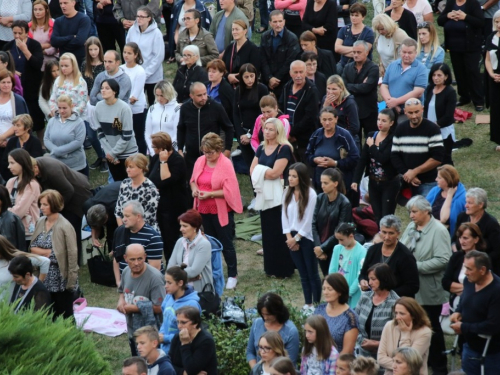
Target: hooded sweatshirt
point(161, 366)
point(162, 118)
point(169, 306)
point(123, 81)
point(65, 140)
point(152, 49)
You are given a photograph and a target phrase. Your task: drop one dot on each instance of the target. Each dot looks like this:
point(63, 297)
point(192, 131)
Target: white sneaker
point(251, 206)
point(231, 282)
point(256, 237)
point(236, 152)
point(307, 310)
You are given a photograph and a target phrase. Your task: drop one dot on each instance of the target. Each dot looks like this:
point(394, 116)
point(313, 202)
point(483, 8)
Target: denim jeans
point(89, 9)
point(94, 141)
point(471, 363)
point(422, 189)
point(306, 262)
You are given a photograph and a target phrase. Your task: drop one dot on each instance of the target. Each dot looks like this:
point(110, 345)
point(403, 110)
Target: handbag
point(101, 269)
point(234, 313)
point(209, 301)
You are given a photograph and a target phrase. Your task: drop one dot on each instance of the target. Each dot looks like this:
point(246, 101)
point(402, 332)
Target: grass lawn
point(478, 166)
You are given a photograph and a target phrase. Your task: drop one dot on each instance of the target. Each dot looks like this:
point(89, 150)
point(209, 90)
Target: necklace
point(18, 53)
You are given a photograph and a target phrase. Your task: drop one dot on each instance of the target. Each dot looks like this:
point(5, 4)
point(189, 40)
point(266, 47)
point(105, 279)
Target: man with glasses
point(417, 149)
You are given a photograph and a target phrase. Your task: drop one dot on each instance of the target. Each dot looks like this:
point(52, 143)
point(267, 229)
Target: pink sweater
point(42, 37)
point(258, 125)
point(223, 178)
point(26, 206)
point(300, 5)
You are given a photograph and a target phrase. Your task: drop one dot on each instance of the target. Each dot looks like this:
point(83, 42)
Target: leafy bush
point(31, 343)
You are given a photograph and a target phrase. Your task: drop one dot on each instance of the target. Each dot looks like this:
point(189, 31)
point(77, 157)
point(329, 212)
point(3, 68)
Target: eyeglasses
point(209, 153)
point(183, 322)
point(265, 349)
point(422, 25)
point(141, 16)
point(311, 65)
point(187, 19)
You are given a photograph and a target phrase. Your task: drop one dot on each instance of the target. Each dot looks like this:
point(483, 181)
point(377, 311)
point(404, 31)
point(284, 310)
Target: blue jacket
point(162, 366)
point(19, 105)
point(206, 20)
point(457, 204)
point(217, 271)
point(169, 306)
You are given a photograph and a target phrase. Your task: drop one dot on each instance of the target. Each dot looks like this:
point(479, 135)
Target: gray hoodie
point(65, 140)
point(123, 80)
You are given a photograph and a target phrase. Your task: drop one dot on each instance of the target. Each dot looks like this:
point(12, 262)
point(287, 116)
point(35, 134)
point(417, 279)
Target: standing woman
point(319, 350)
point(493, 69)
point(219, 88)
point(147, 35)
point(270, 163)
point(440, 99)
point(65, 135)
point(312, 73)
point(70, 82)
point(217, 196)
point(389, 39)
point(421, 9)
point(24, 190)
point(429, 50)
point(239, 52)
point(320, 17)
point(10, 11)
point(163, 116)
point(246, 108)
point(293, 12)
point(375, 162)
point(7, 62)
point(50, 74)
point(55, 238)
point(299, 201)
point(347, 259)
point(41, 30)
point(403, 17)
point(332, 208)
point(113, 118)
point(189, 72)
point(133, 67)
point(326, 59)
point(463, 23)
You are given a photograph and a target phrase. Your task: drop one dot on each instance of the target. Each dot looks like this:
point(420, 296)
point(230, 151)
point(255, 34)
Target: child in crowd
point(364, 366)
point(344, 363)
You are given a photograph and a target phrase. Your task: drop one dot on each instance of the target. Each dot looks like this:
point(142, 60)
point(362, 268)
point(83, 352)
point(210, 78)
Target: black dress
point(234, 59)
point(326, 17)
point(494, 91)
point(277, 259)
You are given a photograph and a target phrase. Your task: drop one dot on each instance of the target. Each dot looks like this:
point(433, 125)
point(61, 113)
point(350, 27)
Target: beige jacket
point(398, 37)
point(64, 246)
point(393, 338)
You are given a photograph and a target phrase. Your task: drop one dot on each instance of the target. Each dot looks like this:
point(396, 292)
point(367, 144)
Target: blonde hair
point(337, 80)
point(383, 20)
point(139, 160)
point(65, 99)
point(433, 39)
point(24, 119)
point(76, 70)
point(212, 141)
point(280, 132)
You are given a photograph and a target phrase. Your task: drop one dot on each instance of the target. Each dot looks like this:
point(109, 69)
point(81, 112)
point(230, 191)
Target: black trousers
point(118, 171)
point(383, 196)
point(111, 34)
point(139, 120)
point(437, 360)
point(169, 228)
point(62, 304)
point(367, 124)
point(448, 149)
point(149, 89)
point(468, 77)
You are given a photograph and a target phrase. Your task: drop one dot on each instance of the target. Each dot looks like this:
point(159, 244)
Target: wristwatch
point(297, 238)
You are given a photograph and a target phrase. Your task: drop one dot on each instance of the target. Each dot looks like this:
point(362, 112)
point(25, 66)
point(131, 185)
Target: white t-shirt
point(137, 77)
point(421, 8)
point(5, 117)
point(385, 48)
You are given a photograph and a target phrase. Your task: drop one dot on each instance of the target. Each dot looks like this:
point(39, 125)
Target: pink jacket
point(300, 5)
point(223, 178)
point(26, 206)
point(256, 129)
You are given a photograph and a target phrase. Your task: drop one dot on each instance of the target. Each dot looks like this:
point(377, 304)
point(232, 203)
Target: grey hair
point(297, 62)
point(495, 16)
point(97, 215)
point(391, 221)
point(137, 208)
point(420, 203)
point(479, 195)
point(412, 358)
point(361, 43)
point(195, 50)
point(481, 259)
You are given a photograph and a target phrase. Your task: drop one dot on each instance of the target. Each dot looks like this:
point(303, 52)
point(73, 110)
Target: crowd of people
point(303, 108)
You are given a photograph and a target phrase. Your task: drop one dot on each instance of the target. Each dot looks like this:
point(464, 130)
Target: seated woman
point(389, 39)
point(274, 316)
point(217, 197)
point(312, 73)
point(193, 348)
point(23, 125)
point(448, 197)
point(194, 251)
point(271, 347)
point(410, 327)
point(11, 225)
point(179, 294)
point(429, 50)
point(28, 288)
point(189, 72)
point(407, 361)
point(140, 188)
point(326, 59)
point(375, 308)
point(342, 320)
point(403, 17)
point(24, 190)
point(392, 252)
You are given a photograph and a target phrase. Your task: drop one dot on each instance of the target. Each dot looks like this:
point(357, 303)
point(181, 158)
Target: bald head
point(198, 92)
point(135, 255)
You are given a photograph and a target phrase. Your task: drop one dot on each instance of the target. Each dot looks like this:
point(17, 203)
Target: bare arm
point(350, 341)
point(156, 263)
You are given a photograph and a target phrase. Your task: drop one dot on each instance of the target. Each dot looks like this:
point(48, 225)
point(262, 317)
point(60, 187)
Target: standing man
point(199, 116)
point(417, 149)
point(278, 49)
point(70, 31)
point(125, 11)
point(221, 27)
point(478, 314)
point(141, 291)
point(361, 80)
point(300, 101)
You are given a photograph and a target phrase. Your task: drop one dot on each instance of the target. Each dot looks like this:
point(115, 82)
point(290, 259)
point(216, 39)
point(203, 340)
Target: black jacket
point(306, 111)
point(185, 77)
point(474, 23)
point(226, 95)
point(453, 272)
point(277, 64)
point(320, 83)
point(195, 357)
point(32, 76)
point(195, 122)
point(12, 227)
point(246, 109)
point(402, 263)
point(407, 22)
point(445, 105)
point(38, 294)
point(326, 62)
point(365, 93)
point(248, 53)
point(327, 216)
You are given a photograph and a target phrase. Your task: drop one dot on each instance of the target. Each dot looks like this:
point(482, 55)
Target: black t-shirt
point(281, 152)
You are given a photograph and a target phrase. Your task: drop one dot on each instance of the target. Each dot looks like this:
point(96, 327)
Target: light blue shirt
point(221, 34)
point(401, 81)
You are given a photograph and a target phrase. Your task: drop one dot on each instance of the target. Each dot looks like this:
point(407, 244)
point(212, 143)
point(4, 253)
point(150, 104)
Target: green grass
point(478, 166)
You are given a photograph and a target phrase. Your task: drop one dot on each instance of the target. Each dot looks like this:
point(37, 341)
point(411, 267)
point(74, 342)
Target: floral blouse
point(147, 194)
point(78, 95)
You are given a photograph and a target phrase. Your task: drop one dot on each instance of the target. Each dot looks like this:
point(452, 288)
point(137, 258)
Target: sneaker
point(104, 167)
point(231, 282)
point(96, 164)
point(236, 152)
point(87, 144)
point(257, 237)
point(251, 206)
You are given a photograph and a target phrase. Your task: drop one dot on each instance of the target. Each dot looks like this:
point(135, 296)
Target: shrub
point(31, 343)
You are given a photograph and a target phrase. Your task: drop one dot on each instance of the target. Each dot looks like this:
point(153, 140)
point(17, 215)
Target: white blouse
point(290, 219)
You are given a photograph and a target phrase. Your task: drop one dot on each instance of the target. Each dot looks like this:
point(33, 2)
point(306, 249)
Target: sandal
point(260, 252)
point(497, 149)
